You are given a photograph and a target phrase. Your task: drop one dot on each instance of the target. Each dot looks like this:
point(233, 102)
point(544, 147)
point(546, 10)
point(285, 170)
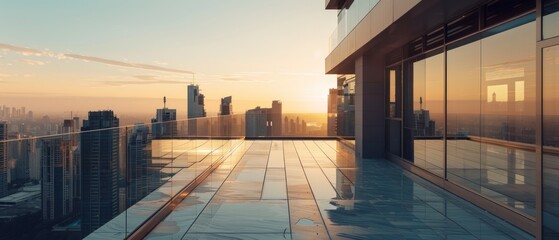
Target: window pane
point(463, 115)
point(508, 89)
point(551, 143)
point(550, 18)
point(427, 120)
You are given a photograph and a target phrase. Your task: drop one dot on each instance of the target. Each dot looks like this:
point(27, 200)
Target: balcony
point(205, 179)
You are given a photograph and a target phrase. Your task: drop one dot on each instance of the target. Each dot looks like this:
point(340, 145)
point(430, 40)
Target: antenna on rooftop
point(164, 102)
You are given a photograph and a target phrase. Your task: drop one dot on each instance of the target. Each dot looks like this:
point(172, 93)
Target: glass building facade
point(471, 102)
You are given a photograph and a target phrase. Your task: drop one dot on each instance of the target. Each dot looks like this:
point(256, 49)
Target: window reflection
point(463, 115)
point(491, 117)
point(425, 125)
point(551, 143)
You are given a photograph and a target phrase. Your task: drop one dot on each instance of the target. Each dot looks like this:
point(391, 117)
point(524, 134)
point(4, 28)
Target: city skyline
point(77, 65)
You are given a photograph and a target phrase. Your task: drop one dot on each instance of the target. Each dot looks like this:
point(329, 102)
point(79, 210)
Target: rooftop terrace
point(317, 189)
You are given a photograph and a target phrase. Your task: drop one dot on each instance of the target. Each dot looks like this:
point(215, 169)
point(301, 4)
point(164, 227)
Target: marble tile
point(317, 189)
point(252, 216)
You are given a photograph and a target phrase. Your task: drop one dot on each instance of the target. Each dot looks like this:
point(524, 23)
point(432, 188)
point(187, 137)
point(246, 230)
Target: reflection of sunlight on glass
point(519, 91)
point(497, 93)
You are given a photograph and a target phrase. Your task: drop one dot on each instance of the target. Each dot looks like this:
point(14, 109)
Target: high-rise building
point(262, 122)
point(276, 113)
point(346, 105)
point(3, 159)
point(195, 102)
point(463, 93)
point(71, 130)
point(138, 163)
point(57, 178)
point(226, 106)
point(165, 122)
point(99, 170)
point(257, 122)
point(332, 111)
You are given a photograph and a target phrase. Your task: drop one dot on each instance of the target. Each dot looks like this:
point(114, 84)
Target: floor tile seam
point(314, 197)
point(229, 155)
point(216, 191)
point(195, 148)
point(337, 167)
point(286, 190)
point(323, 173)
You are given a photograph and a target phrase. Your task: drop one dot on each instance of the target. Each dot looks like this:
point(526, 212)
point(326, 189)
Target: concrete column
point(369, 107)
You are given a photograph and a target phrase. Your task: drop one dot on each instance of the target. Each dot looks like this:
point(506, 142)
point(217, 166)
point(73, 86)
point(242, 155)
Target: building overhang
point(390, 26)
point(335, 4)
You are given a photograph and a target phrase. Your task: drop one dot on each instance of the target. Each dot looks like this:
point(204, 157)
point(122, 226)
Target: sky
point(60, 56)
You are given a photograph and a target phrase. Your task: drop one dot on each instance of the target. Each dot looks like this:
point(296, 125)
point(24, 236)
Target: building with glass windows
point(466, 94)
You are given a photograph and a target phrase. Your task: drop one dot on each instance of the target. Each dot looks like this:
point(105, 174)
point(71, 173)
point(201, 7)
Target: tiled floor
point(318, 190)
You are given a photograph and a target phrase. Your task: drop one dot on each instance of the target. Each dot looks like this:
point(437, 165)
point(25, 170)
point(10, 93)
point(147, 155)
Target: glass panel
point(550, 18)
point(433, 114)
point(394, 92)
point(508, 90)
point(427, 118)
point(551, 143)
point(463, 115)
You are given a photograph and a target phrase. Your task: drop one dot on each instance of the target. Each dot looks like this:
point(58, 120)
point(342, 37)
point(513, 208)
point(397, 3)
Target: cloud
point(4, 75)
point(144, 80)
point(126, 64)
point(32, 62)
point(21, 50)
point(34, 52)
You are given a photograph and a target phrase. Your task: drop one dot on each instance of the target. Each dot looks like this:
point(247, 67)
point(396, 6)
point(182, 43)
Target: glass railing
point(108, 183)
point(348, 18)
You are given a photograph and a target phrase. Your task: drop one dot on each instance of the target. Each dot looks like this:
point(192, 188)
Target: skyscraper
point(276, 112)
point(264, 121)
point(195, 102)
point(332, 111)
point(99, 170)
point(3, 159)
point(71, 128)
point(57, 178)
point(139, 160)
point(226, 106)
point(164, 124)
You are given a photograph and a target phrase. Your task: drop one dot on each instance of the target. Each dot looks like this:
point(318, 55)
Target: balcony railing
point(348, 18)
point(108, 183)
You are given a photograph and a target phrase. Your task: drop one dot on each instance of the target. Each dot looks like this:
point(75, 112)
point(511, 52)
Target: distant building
point(165, 122)
point(345, 123)
point(262, 122)
point(226, 106)
point(99, 156)
point(195, 102)
point(3, 159)
point(332, 112)
point(277, 127)
point(139, 161)
point(57, 178)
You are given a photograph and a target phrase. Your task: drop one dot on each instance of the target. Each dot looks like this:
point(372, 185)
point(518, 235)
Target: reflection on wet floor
point(318, 190)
